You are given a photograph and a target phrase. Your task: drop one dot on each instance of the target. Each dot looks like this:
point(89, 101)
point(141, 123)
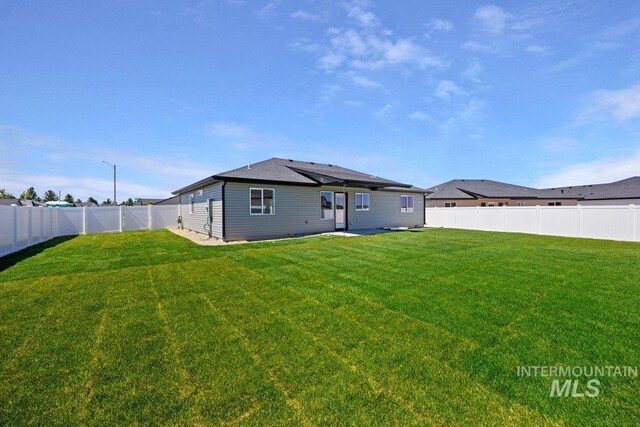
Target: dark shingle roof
point(298, 172)
point(473, 188)
point(624, 189)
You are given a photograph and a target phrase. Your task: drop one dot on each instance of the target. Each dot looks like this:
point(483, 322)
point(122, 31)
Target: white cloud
point(241, 137)
point(420, 116)
point(622, 105)
point(538, 49)
point(357, 10)
point(303, 15)
point(269, 10)
point(446, 89)
point(473, 72)
point(492, 19)
point(474, 46)
point(385, 113)
point(363, 81)
point(594, 172)
point(439, 25)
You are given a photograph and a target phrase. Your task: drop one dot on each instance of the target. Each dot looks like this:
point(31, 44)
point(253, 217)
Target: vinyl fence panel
point(6, 229)
point(22, 227)
point(615, 222)
point(135, 218)
point(102, 220)
point(69, 221)
point(164, 216)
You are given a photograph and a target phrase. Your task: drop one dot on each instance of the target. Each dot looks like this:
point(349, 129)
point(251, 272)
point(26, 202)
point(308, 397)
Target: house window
point(500, 204)
point(450, 204)
point(520, 204)
point(262, 201)
point(406, 204)
point(362, 201)
point(326, 204)
point(483, 205)
point(191, 202)
point(554, 203)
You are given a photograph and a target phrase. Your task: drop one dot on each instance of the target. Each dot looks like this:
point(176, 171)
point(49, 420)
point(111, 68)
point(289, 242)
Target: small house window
point(555, 203)
point(262, 201)
point(362, 201)
point(520, 204)
point(326, 204)
point(450, 204)
point(406, 204)
point(483, 205)
point(191, 202)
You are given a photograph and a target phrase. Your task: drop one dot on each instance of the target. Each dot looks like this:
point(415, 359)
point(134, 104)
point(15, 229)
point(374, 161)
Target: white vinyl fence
point(21, 227)
point(597, 222)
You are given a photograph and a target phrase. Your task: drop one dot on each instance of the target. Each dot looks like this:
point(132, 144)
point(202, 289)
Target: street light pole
point(114, 182)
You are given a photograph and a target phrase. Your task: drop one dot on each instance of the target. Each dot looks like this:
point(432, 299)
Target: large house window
point(450, 204)
point(554, 203)
point(326, 204)
point(406, 204)
point(191, 202)
point(262, 201)
point(362, 201)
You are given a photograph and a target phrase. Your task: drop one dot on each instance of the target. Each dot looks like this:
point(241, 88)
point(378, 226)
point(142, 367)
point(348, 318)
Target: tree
point(50, 196)
point(29, 194)
point(68, 198)
point(107, 202)
point(92, 200)
point(129, 202)
point(5, 195)
point(78, 201)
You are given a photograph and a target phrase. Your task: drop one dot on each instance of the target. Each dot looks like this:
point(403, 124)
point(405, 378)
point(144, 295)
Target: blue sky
point(534, 93)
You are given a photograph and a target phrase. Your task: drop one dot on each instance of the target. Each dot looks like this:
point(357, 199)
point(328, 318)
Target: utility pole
point(114, 182)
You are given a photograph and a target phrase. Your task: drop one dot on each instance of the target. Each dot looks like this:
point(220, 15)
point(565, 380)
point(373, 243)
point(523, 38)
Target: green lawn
point(423, 328)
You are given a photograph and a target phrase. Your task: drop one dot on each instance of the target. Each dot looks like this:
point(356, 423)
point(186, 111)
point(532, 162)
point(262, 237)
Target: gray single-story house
point(285, 198)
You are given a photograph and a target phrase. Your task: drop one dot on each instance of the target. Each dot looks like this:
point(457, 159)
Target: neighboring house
point(623, 192)
point(484, 192)
point(145, 202)
point(173, 200)
point(84, 204)
point(280, 198)
point(19, 202)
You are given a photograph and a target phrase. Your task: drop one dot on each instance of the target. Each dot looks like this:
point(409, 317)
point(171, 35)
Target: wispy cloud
point(420, 116)
point(437, 25)
point(492, 19)
point(621, 105)
point(303, 15)
point(270, 10)
point(597, 171)
point(538, 49)
point(242, 137)
point(358, 10)
point(363, 81)
point(446, 89)
point(475, 46)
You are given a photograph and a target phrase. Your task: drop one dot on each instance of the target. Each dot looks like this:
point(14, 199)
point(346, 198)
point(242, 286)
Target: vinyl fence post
point(455, 217)
point(150, 218)
point(84, 220)
point(579, 220)
point(632, 214)
point(504, 218)
point(121, 213)
point(14, 239)
point(539, 218)
point(29, 226)
point(478, 217)
point(41, 224)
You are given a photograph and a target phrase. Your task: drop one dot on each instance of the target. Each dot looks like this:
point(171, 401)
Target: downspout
point(424, 210)
point(224, 206)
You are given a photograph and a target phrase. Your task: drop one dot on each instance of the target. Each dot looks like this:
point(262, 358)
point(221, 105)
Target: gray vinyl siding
point(199, 219)
point(297, 212)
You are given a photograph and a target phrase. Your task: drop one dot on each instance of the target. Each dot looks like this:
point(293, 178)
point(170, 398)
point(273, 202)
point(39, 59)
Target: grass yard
point(414, 328)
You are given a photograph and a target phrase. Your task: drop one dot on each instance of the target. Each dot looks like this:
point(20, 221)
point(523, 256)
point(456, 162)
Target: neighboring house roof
point(173, 200)
point(9, 202)
point(287, 171)
point(144, 202)
point(624, 189)
point(480, 188)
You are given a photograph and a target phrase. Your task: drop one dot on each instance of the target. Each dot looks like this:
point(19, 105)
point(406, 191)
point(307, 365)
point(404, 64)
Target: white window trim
point(333, 204)
point(192, 202)
point(356, 203)
point(451, 204)
point(407, 209)
point(262, 201)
